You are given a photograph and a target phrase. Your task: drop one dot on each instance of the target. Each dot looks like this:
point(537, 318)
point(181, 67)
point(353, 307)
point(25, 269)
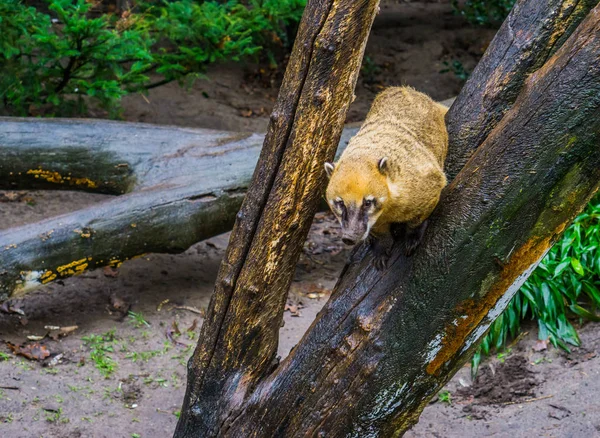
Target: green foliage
point(457, 68)
point(201, 33)
point(51, 62)
point(565, 284)
point(445, 397)
point(483, 12)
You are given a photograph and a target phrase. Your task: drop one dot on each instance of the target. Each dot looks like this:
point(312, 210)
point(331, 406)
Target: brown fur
point(408, 128)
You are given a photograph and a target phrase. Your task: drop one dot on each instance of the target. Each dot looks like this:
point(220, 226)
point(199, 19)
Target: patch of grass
point(101, 348)
point(137, 319)
point(143, 355)
point(565, 287)
point(445, 397)
point(56, 417)
point(4, 356)
point(159, 381)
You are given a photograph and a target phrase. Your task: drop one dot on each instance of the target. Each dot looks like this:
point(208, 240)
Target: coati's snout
point(356, 200)
point(354, 222)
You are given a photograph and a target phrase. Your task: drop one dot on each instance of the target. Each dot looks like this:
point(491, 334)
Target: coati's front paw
point(381, 260)
point(414, 236)
point(382, 252)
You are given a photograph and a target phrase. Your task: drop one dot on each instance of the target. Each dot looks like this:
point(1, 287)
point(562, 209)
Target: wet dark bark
point(533, 31)
point(387, 341)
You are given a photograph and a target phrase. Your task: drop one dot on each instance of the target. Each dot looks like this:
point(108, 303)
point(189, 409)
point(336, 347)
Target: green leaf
point(577, 267)
point(577, 309)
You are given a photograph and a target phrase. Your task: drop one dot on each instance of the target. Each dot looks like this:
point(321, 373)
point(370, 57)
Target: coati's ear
point(329, 168)
point(382, 165)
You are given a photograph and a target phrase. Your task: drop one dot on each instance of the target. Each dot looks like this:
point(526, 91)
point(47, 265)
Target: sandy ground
point(522, 393)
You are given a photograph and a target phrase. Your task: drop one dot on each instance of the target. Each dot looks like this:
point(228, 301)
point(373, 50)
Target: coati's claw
point(381, 261)
point(382, 252)
point(414, 236)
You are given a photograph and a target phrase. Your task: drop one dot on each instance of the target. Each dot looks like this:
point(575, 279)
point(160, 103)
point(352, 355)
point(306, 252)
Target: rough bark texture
point(183, 186)
point(532, 32)
point(387, 341)
point(238, 343)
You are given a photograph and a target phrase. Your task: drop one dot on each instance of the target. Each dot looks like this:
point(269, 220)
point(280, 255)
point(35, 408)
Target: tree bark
point(387, 341)
point(181, 186)
point(238, 343)
point(532, 32)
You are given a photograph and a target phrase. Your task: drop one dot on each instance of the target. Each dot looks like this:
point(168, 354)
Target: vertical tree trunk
point(238, 343)
point(386, 342)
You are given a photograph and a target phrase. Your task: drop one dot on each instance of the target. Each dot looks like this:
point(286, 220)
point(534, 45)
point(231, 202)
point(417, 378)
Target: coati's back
point(404, 125)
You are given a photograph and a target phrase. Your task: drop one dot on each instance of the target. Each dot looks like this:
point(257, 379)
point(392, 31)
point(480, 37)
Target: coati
point(391, 172)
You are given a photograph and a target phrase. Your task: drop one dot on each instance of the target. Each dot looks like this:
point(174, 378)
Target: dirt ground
point(123, 375)
point(520, 393)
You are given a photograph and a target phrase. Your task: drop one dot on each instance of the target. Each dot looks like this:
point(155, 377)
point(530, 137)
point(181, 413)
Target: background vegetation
point(52, 59)
point(564, 289)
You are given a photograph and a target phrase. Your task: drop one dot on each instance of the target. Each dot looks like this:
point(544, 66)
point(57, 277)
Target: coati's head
point(357, 193)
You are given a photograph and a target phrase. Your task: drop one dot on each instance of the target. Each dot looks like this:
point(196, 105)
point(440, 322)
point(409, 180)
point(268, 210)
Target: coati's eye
point(368, 203)
point(339, 204)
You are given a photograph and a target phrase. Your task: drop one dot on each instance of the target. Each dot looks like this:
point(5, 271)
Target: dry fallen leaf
point(30, 351)
point(174, 329)
point(119, 304)
point(8, 307)
point(59, 332)
point(193, 326)
point(540, 345)
point(294, 309)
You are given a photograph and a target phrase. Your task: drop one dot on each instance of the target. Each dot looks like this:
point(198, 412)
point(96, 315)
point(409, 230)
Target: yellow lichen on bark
point(57, 178)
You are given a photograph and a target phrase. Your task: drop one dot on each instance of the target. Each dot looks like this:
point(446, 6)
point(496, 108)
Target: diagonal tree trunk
point(387, 341)
point(531, 33)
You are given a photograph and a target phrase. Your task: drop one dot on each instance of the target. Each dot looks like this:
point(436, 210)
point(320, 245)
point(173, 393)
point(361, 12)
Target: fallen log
point(181, 186)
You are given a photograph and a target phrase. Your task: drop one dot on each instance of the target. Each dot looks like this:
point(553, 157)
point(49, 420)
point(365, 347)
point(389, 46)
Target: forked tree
point(524, 159)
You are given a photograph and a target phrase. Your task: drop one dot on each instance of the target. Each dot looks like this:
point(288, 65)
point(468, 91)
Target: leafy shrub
point(483, 12)
point(565, 284)
point(50, 63)
point(201, 33)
